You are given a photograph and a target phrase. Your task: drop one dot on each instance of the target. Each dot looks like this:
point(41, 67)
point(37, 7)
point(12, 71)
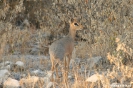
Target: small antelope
point(64, 47)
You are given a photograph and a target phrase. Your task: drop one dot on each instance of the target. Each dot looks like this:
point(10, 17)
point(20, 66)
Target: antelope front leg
point(65, 76)
point(52, 69)
point(68, 62)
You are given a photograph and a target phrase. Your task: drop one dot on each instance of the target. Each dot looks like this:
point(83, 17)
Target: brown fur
point(64, 47)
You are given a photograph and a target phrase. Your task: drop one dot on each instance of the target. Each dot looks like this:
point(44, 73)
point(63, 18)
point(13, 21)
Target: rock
point(70, 77)
point(32, 82)
point(36, 71)
point(8, 62)
point(50, 85)
point(20, 63)
point(29, 80)
point(16, 76)
point(92, 61)
point(6, 65)
point(11, 83)
point(4, 75)
point(18, 66)
point(94, 78)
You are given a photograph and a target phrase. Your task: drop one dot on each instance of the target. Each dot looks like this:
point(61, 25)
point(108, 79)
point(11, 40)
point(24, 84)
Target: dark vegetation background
point(26, 23)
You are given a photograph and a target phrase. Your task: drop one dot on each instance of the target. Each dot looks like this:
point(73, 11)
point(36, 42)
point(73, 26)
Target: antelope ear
point(71, 21)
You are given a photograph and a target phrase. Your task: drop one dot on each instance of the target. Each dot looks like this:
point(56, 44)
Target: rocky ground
point(32, 70)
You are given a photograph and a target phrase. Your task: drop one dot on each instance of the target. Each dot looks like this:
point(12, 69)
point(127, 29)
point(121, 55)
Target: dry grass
point(28, 28)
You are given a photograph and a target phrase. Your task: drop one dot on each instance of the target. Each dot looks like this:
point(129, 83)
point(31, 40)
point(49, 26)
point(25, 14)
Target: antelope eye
point(76, 24)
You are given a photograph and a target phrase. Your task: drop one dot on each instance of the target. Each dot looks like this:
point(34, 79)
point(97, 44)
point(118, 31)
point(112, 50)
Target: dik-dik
point(63, 47)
